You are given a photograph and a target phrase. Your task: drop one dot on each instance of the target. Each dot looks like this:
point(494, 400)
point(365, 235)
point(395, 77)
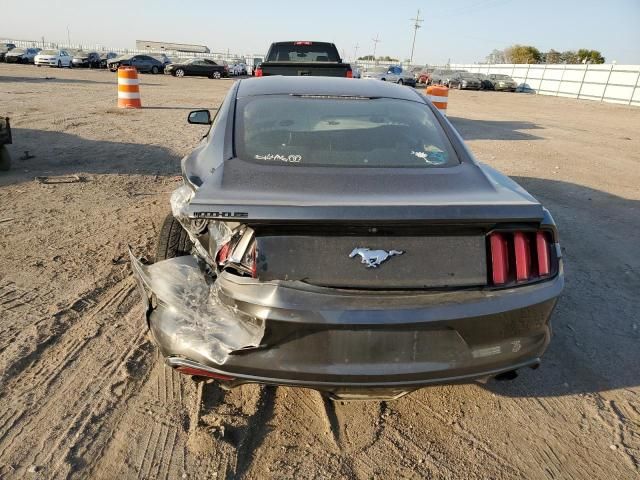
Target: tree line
point(529, 54)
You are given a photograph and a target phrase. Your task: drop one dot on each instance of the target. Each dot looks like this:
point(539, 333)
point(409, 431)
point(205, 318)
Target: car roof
point(328, 86)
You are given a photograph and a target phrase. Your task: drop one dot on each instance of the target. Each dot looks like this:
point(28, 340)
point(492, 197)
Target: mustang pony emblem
point(373, 258)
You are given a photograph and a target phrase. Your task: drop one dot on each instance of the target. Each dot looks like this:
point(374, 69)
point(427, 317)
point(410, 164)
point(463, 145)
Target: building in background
point(173, 47)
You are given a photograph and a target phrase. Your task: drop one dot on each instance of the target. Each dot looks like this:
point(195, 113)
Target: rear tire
point(154, 70)
point(217, 75)
point(59, 64)
point(179, 73)
point(5, 158)
point(173, 240)
point(400, 82)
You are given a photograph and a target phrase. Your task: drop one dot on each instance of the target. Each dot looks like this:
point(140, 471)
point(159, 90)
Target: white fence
point(605, 83)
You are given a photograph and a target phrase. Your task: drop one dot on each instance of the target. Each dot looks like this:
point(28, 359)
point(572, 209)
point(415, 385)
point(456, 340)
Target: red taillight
point(197, 372)
point(349, 73)
point(523, 256)
point(243, 263)
point(223, 253)
point(258, 72)
point(303, 43)
point(519, 256)
point(542, 250)
point(499, 258)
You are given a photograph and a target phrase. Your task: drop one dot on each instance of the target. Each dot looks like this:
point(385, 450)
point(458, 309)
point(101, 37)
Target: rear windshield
point(49, 52)
point(303, 52)
point(340, 132)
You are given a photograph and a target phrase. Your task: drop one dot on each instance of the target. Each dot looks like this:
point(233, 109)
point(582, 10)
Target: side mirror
point(199, 117)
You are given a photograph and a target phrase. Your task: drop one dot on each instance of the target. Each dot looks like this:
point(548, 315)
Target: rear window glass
point(340, 132)
point(315, 52)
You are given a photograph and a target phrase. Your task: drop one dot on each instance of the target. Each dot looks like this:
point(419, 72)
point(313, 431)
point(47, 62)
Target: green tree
point(589, 56)
point(552, 56)
point(497, 56)
point(569, 56)
point(522, 54)
point(367, 57)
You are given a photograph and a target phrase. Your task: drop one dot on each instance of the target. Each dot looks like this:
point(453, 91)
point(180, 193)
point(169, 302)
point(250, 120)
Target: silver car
point(389, 74)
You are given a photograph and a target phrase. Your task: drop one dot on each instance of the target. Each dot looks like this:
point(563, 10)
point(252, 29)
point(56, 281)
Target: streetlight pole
point(375, 46)
point(68, 38)
point(417, 21)
point(355, 53)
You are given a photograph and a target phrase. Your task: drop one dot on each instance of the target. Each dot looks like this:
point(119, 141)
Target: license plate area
point(394, 262)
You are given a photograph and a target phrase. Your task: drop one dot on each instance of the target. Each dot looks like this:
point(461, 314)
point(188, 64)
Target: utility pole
point(68, 38)
point(375, 46)
point(416, 25)
point(355, 54)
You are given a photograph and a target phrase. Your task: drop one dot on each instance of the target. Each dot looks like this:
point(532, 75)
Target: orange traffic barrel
point(439, 96)
point(128, 88)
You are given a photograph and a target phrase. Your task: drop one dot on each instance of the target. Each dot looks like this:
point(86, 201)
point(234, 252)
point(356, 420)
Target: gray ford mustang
point(338, 235)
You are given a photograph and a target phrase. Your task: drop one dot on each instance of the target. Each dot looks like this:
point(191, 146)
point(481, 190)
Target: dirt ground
point(83, 393)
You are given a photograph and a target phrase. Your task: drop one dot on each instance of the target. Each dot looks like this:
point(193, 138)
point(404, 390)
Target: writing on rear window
point(280, 158)
point(329, 131)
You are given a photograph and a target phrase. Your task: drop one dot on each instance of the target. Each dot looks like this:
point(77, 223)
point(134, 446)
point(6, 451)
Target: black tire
point(216, 75)
point(154, 70)
point(59, 64)
point(400, 82)
point(5, 158)
point(173, 240)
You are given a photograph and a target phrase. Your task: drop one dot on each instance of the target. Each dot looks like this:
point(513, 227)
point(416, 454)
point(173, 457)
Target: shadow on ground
point(49, 77)
point(596, 326)
point(494, 129)
point(59, 154)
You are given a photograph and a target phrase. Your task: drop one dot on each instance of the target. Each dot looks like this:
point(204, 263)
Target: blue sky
point(464, 31)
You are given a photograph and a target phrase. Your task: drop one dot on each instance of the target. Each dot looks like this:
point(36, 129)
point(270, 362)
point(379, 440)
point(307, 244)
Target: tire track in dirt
point(150, 439)
point(41, 331)
point(84, 371)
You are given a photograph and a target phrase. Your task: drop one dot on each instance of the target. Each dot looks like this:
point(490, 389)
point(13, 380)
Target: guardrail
point(605, 82)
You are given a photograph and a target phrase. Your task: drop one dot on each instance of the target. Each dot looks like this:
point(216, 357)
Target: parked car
point(424, 76)
point(86, 59)
point(21, 55)
point(143, 63)
point(465, 81)
point(162, 57)
point(238, 69)
point(197, 67)
point(485, 83)
point(4, 48)
point(443, 76)
point(105, 57)
point(274, 269)
point(503, 82)
point(303, 58)
point(5, 139)
point(392, 73)
point(53, 58)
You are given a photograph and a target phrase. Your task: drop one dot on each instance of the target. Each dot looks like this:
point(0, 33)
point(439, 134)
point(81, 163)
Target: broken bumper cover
point(338, 340)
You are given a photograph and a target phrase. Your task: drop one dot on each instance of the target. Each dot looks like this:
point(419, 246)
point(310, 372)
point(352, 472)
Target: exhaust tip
point(507, 376)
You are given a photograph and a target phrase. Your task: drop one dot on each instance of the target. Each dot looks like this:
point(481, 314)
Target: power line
point(417, 21)
point(375, 45)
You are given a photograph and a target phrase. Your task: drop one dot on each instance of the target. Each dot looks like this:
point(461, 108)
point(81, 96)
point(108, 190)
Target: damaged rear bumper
point(291, 333)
